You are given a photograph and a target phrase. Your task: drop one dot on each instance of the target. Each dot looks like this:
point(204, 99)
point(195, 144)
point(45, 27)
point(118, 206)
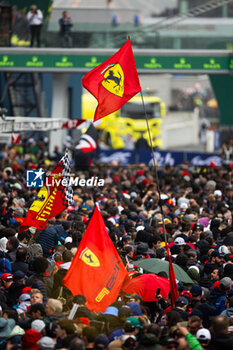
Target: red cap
point(83, 320)
point(26, 290)
point(140, 173)
point(145, 181)
point(85, 220)
point(6, 276)
point(186, 293)
point(70, 208)
point(32, 166)
point(116, 178)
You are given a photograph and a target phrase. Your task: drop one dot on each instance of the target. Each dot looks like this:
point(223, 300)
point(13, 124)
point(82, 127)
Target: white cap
point(223, 250)
point(163, 196)
point(38, 325)
point(3, 242)
point(112, 220)
point(179, 241)
point(203, 334)
point(182, 200)
point(140, 228)
point(68, 240)
point(183, 206)
point(31, 140)
point(217, 193)
point(46, 342)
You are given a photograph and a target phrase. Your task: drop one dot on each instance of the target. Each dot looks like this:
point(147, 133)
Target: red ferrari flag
point(53, 197)
point(113, 82)
point(97, 270)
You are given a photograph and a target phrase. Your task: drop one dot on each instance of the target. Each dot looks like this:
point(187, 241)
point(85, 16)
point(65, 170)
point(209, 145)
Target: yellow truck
point(129, 120)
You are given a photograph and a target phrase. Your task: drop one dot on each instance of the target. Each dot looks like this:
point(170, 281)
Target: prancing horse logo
point(89, 258)
point(114, 79)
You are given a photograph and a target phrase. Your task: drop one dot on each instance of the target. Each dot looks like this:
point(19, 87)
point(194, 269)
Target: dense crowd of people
point(191, 208)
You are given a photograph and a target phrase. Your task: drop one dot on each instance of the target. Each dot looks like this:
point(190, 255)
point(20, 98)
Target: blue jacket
point(49, 237)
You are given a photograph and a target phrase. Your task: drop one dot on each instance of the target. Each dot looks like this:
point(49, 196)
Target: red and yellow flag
point(53, 198)
point(113, 82)
point(97, 270)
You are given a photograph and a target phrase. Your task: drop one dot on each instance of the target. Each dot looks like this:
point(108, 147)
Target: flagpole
point(154, 163)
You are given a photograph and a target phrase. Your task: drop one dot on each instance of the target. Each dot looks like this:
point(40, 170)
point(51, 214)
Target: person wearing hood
point(59, 276)
point(228, 312)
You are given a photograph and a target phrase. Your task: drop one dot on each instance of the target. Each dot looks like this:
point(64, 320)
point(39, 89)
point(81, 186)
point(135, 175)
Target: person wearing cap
point(203, 335)
point(46, 343)
point(181, 305)
point(179, 246)
point(124, 312)
point(218, 195)
point(197, 295)
point(142, 251)
point(6, 280)
point(15, 289)
point(101, 342)
point(198, 229)
point(132, 328)
point(182, 208)
point(39, 326)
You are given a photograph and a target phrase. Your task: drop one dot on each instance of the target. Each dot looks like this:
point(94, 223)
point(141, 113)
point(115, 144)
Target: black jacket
point(221, 341)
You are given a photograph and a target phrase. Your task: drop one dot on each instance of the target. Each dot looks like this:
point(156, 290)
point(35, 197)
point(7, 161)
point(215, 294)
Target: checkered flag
point(68, 197)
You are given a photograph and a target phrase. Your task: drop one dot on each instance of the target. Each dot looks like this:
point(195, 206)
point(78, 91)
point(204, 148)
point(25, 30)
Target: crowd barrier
point(162, 158)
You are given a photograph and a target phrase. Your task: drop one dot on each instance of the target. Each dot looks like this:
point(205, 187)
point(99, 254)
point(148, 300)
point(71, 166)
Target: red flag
point(53, 197)
point(96, 270)
point(172, 279)
point(72, 123)
point(113, 82)
point(15, 139)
